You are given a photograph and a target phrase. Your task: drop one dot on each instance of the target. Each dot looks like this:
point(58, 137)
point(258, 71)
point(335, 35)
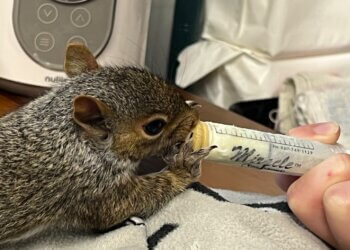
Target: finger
point(305, 196)
point(322, 132)
point(327, 132)
point(336, 202)
point(284, 181)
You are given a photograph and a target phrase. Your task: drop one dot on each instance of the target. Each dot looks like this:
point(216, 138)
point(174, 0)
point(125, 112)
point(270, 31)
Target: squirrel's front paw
point(186, 159)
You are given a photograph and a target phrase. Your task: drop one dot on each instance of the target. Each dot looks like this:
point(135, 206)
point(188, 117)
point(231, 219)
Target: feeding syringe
point(261, 150)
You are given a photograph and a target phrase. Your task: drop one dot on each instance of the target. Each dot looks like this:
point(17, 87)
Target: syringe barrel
point(266, 151)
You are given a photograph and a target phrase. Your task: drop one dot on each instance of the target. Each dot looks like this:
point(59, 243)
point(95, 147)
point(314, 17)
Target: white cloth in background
point(248, 48)
point(308, 98)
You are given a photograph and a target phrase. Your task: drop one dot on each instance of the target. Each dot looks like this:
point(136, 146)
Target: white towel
point(199, 218)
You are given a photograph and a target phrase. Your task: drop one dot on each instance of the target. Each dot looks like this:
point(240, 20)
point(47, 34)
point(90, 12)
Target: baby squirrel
point(68, 159)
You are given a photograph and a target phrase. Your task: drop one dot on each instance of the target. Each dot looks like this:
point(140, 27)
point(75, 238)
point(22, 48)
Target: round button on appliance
point(44, 41)
point(71, 1)
point(77, 39)
point(47, 13)
point(80, 17)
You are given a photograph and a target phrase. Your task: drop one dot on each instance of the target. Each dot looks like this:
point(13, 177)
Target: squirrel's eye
point(154, 127)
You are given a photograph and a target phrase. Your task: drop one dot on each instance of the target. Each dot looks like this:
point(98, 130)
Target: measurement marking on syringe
point(254, 137)
point(266, 138)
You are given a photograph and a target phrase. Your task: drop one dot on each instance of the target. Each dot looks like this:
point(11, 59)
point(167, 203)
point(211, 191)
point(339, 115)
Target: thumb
point(336, 202)
point(327, 132)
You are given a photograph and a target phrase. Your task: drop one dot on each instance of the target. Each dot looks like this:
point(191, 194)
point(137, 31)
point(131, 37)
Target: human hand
point(321, 197)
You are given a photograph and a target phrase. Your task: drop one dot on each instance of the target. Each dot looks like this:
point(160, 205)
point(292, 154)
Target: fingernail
point(325, 128)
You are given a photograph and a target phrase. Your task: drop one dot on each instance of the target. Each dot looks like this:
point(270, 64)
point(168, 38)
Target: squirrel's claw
point(136, 221)
point(190, 159)
point(200, 154)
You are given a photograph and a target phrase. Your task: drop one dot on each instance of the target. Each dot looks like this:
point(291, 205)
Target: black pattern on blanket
point(281, 206)
point(199, 218)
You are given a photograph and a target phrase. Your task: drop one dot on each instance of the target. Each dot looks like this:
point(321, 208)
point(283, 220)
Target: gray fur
point(51, 172)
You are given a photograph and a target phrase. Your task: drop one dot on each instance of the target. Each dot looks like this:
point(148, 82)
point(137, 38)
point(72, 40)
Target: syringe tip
point(200, 136)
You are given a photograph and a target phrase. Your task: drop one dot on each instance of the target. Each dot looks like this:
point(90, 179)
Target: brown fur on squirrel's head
point(131, 110)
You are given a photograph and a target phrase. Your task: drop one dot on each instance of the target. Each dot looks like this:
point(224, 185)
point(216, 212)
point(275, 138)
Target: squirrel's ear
point(89, 113)
point(78, 59)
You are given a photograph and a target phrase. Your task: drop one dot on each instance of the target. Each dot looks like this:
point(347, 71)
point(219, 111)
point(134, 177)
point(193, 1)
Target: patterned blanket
point(199, 218)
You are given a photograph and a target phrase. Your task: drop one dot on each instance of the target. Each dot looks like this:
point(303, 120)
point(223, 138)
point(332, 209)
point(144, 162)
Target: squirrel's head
point(134, 112)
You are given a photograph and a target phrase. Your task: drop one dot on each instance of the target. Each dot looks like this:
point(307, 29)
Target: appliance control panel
point(44, 27)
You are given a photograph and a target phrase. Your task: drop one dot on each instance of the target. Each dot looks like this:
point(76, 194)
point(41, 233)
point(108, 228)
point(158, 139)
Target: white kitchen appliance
point(34, 34)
